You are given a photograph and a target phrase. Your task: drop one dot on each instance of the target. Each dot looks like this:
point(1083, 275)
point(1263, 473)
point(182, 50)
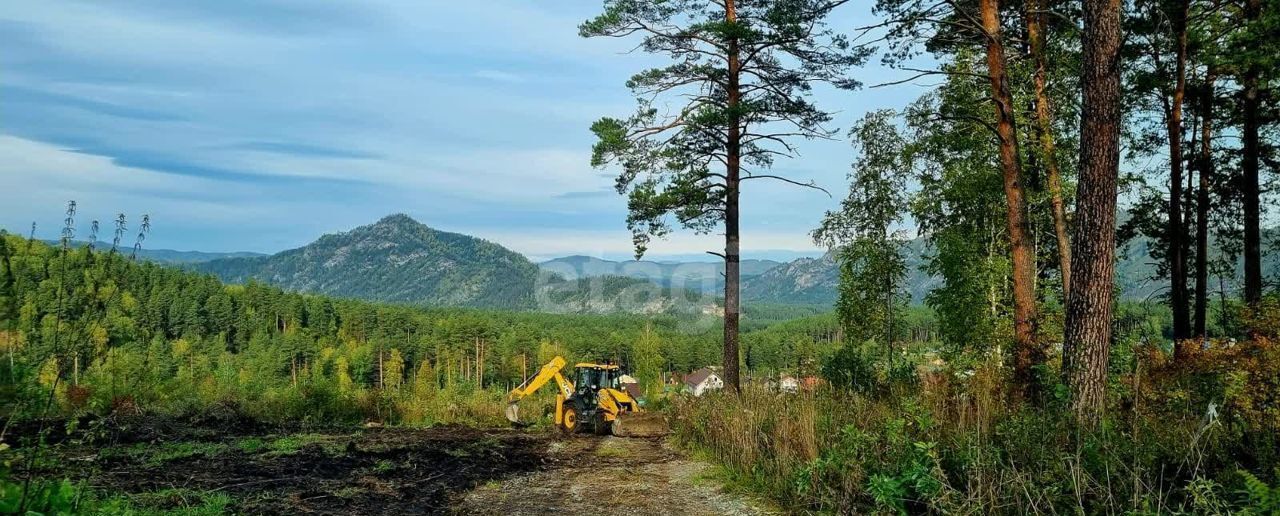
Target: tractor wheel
point(569, 422)
point(602, 425)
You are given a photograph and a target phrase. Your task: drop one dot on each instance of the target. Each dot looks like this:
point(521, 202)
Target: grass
point(251, 445)
point(611, 449)
point(291, 444)
point(158, 454)
point(175, 501)
point(955, 443)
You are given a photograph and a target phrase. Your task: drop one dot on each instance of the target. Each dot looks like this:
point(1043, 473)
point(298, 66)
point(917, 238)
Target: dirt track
point(610, 475)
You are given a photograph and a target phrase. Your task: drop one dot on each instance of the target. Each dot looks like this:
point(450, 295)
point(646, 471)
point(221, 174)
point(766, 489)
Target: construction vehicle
point(594, 400)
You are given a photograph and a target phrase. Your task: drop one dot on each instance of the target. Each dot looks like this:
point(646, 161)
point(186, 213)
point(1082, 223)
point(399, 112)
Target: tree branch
point(810, 184)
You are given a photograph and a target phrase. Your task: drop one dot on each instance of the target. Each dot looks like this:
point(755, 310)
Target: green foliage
point(1263, 498)
point(173, 501)
point(872, 266)
point(42, 496)
point(130, 336)
point(952, 443)
point(747, 111)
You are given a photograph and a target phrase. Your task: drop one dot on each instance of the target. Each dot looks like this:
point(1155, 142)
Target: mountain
point(801, 281)
point(815, 280)
point(164, 256)
point(401, 260)
point(610, 294)
point(705, 277)
point(396, 259)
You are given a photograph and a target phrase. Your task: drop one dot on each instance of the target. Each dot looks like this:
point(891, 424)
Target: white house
point(789, 384)
point(703, 380)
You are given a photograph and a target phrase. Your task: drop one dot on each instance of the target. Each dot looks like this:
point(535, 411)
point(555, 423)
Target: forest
point(1050, 138)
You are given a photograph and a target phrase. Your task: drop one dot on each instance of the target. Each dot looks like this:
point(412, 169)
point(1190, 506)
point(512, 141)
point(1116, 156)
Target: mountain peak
point(397, 219)
point(396, 259)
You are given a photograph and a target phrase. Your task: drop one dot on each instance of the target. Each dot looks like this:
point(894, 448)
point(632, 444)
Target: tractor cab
point(589, 380)
point(593, 377)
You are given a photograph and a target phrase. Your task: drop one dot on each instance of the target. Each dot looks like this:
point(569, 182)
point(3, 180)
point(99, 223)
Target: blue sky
point(260, 125)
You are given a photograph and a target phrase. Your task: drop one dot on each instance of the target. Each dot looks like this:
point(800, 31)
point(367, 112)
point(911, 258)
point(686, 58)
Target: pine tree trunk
point(1087, 339)
point(1249, 166)
point(1029, 353)
point(1202, 207)
point(731, 245)
point(1036, 29)
point(1177, 232)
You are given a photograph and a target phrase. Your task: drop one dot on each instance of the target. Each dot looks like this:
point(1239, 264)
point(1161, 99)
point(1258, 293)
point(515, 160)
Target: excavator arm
point(549, 372)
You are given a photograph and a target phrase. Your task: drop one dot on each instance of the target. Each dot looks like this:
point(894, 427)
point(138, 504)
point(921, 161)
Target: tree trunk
point(732, 179)
point(1089, 309)
point(1177, 233)
point(1036, 29)
point(1249, 166)
point(1202, 206)
point(1029, 352)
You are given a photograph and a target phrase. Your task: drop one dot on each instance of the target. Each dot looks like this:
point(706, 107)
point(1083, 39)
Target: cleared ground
point(609, 475)
point(238, 467)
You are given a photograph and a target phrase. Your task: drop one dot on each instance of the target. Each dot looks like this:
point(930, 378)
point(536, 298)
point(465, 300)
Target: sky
point(260, 125)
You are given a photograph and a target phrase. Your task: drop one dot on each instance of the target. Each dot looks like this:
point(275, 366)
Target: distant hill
point(396, 259)
point(801, 281)
point(605, 294)
point(401, 260)
point(815, 280)
point(706, 277)
point(167, 256)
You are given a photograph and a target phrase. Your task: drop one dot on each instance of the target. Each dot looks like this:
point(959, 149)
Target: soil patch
point(369, 471)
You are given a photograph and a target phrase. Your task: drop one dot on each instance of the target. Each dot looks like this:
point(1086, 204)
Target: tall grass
point(953, 443)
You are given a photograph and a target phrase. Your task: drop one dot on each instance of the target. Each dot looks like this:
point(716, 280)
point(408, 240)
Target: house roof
point(697, 377)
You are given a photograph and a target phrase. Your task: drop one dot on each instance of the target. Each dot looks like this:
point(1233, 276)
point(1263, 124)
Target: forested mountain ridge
point(401, 260)
point(814, 280)
point(396, 259)
point(165, 256)
point(707, 277)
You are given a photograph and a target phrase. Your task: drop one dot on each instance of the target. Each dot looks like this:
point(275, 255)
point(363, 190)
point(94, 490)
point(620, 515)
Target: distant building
point(703, 380)
point(631, 386)
point(788, 384)
point(810, 383)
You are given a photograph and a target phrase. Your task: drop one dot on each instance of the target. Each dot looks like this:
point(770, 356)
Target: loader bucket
point(640, 424)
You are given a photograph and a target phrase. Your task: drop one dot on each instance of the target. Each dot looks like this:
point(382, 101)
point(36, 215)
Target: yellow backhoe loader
point(595, 400)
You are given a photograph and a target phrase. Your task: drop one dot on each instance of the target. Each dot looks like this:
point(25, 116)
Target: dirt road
point(609, 475)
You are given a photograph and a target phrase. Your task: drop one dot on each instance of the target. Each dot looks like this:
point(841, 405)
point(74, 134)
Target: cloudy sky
point(259, 125)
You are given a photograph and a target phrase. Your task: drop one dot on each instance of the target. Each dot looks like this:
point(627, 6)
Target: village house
point(703, 380)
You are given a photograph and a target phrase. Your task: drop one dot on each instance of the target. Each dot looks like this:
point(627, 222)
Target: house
point(811, 383)
point(703, 380)
point(788, 384)
point(631, 386)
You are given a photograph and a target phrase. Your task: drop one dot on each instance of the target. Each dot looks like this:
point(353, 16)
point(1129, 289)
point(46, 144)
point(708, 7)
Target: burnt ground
point(228, 467)
point(364, 471)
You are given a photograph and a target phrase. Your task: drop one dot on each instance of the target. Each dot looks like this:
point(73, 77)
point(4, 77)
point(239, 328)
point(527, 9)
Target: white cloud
point(541, 245)
point(499, 76)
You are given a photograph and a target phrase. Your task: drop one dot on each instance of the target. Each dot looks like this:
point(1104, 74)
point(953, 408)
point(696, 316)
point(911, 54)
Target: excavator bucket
point(513, 414)
point(640, 424)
